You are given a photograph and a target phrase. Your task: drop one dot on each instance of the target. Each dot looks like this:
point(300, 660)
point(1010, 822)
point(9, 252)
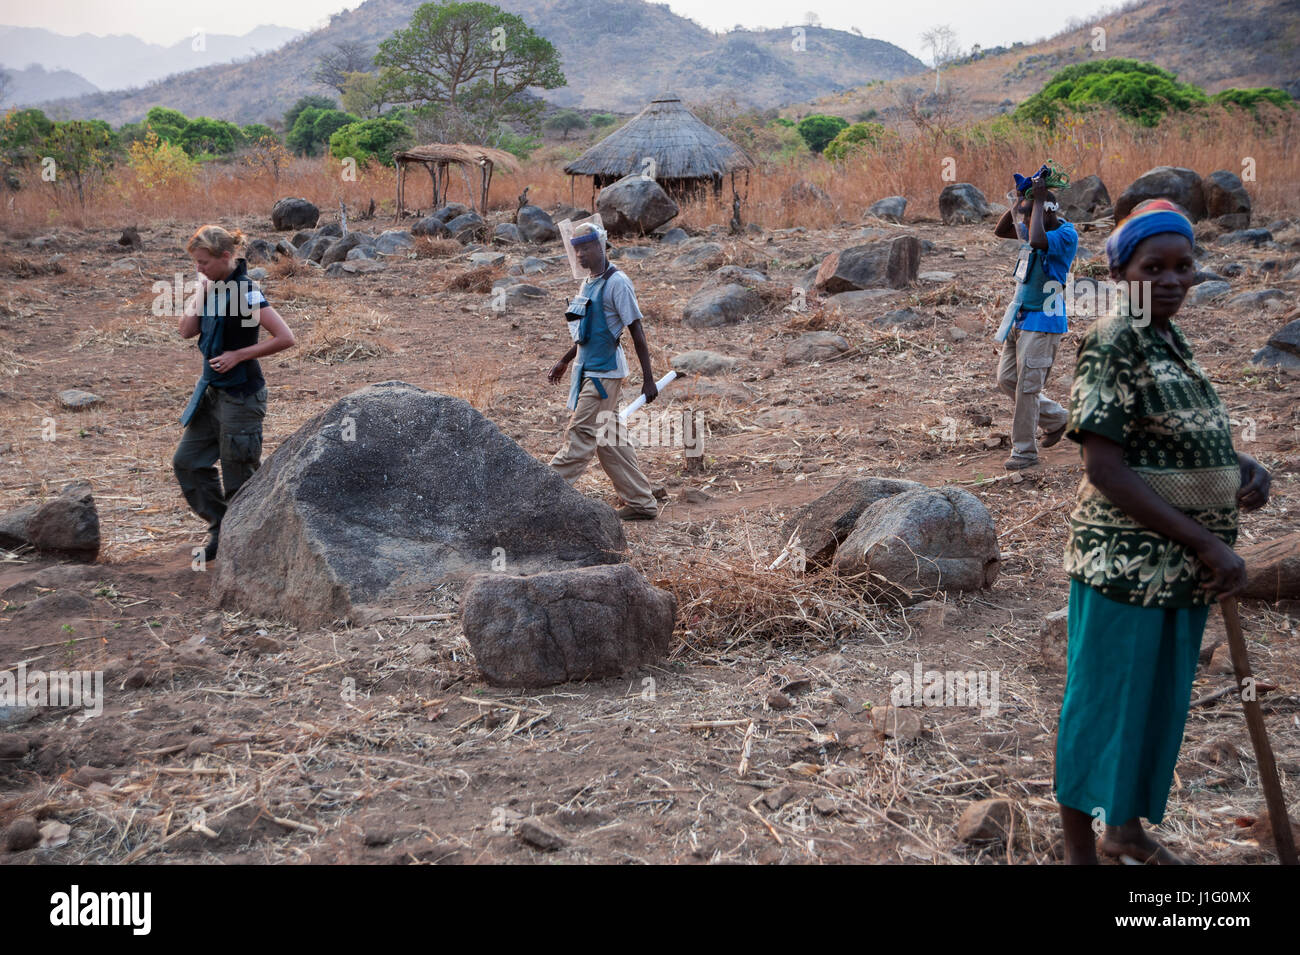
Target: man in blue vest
point(605, 306)
point(1038, 321)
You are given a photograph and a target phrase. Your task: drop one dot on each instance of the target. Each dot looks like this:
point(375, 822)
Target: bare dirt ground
point(230, 739)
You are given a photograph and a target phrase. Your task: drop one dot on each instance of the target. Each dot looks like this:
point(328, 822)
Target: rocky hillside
point(657, 47)
point(1213, 44)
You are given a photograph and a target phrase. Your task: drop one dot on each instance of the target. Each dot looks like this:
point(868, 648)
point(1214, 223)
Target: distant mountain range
point(615, 54)
point(119, 61)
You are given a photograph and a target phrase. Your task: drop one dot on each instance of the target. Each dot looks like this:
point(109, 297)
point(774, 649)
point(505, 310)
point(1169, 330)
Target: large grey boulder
point(431, 226)
point(814, 346)
point(919, 542)
point(467, 227)
point(1282, 349)
point(507, 232)
point(723, 305)
point(703, 362)
point(708, 255)
point(1226, 200)
point(389, 493)
point(1208, 291)
point(451, 210)
point(824, 523)
point(634, 205)
point(394, 242)
point(582, 624)
point(535, 225)
point(66, 525)
point(338, 249)
point(1175, 183)
point(961, 203)
point(294, 212)
point(890, 208)
point(890, 263)
point(1084, 200)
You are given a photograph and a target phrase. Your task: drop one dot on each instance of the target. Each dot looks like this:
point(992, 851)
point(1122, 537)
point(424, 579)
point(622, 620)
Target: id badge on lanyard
point(1021, 271)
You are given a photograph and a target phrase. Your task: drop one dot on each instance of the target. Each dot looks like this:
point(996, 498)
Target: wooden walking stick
point(1273, 799)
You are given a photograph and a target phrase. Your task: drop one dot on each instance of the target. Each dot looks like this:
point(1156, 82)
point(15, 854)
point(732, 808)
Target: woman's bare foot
point(1133, 841)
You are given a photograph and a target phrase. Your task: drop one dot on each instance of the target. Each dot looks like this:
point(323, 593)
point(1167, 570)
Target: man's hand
point(1255, 483)
point(650, 390)
point(225, 361)
point(557, 371)
point(1040, 188)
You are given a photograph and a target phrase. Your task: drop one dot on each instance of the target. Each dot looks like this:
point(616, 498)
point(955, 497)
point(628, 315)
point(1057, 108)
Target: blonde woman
point(223, 420)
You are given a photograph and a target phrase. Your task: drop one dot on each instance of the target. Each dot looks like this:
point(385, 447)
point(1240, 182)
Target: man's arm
point(1037, 231)
point(557, 370)
point(648, 386)
point(1006, 227)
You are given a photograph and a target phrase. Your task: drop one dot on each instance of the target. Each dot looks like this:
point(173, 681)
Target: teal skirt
point(1128, 683)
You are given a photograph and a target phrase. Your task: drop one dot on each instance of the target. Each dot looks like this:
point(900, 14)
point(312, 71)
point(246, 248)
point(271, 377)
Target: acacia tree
point(347, 57)
point(467, 66)
point(942, 44)
point(82, 151)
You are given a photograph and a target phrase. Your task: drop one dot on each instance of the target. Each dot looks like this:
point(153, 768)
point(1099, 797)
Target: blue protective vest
point(597, 345)
point(224, 300)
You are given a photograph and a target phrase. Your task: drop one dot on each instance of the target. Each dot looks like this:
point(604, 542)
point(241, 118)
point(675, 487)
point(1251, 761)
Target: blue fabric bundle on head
point(1025, 182)
point(1149, 218)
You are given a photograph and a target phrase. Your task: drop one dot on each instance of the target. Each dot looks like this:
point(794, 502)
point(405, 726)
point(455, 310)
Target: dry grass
point(913, 164)
point(478, 279)
point(427, 247)
point(129, 331)
point(23, 268)
point(342, 335)
point(478, 382)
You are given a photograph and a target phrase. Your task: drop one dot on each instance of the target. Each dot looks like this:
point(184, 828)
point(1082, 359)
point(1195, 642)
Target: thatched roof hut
point(686, 153)
point(438, 158)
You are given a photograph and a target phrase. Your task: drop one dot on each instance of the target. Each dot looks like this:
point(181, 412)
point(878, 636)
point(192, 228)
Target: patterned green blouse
point(1130, 386)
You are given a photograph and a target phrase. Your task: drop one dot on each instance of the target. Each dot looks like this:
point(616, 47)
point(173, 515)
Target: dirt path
point(382, 744)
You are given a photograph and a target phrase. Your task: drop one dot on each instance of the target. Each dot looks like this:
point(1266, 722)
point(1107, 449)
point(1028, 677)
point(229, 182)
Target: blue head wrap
point(1149, 218)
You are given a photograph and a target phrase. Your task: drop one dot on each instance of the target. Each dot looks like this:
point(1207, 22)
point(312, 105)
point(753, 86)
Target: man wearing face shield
point(605, 305)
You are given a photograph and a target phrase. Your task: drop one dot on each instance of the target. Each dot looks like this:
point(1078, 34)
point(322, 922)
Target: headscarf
point(1153, 217)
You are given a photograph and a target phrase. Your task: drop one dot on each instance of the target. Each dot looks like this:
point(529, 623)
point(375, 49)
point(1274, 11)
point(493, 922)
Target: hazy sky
point(986, 22)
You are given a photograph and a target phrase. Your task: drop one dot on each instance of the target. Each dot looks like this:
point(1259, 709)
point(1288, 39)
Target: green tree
point(82, 151)
point(818, 130)
point(363, 94)
point(313, 128)
point(565, 122)
point(254, 132)
point(1141, 91)
point(371, 139)
point(215, 137)
point(307, 102)
point(169, 124)
point(601, 120)
point(853, 138)
point(1251, 98)
point(469, 65)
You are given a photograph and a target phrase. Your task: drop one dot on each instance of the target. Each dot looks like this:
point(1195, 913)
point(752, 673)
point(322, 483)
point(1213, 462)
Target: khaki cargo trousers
point(1027, 359)
point(225, 428)
point(593, 431)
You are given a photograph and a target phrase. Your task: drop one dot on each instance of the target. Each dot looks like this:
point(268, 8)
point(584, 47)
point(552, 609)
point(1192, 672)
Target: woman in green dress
point(1150, 545)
